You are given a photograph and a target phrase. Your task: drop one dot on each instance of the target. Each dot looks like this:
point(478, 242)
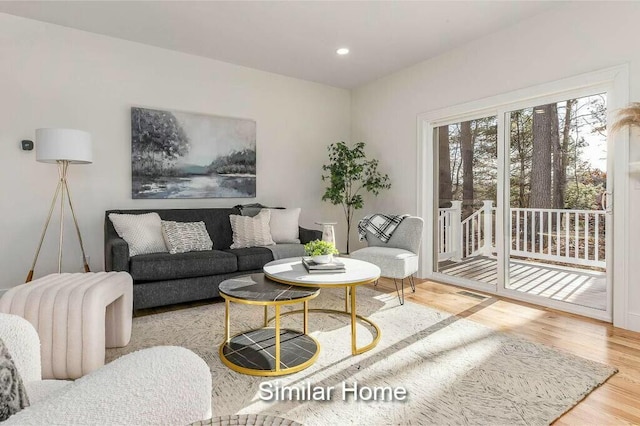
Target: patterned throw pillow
point(251, 231)
point(13, 396)
point(143, 232)
point(182, 237)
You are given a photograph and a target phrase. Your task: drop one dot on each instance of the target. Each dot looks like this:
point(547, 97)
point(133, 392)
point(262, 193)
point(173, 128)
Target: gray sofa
point(162, 279)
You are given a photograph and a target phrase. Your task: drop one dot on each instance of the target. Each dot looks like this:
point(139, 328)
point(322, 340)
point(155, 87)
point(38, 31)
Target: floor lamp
point(62, 147)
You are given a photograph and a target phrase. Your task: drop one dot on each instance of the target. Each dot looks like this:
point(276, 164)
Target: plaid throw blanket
point(380, 225)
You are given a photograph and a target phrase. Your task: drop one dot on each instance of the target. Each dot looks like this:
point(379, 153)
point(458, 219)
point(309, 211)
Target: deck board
point(572, 285)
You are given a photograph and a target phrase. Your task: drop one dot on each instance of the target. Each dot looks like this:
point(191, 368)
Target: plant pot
point(325, 258)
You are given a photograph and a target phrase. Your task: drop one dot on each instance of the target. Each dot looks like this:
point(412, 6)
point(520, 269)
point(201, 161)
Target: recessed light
point(342, 51)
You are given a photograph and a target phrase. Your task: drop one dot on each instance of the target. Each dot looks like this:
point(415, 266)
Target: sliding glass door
point(559, 217)
point(521, 202)
point(467, 165)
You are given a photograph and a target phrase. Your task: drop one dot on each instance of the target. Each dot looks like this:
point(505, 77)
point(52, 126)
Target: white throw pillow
point(183, 237)
point(284, 225)
point(251, 231)
point(143, 232)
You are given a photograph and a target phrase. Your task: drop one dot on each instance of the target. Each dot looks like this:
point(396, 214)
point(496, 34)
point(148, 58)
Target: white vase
point(325, 258)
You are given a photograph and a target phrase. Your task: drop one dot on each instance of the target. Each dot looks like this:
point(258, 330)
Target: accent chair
point(398, 257)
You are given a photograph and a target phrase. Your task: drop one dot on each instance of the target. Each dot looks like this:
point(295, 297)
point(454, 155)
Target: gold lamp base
point(62, 190)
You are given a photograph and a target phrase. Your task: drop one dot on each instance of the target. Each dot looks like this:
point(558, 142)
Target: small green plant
point(320, 248)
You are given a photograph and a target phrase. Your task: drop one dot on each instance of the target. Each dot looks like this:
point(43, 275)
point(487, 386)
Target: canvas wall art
point(184, 155)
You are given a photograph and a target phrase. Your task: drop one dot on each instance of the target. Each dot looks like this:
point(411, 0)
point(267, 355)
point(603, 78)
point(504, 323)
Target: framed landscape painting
point(184, 155)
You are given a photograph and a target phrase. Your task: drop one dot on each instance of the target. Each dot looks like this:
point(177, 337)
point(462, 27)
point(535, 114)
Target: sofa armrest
point(165, 385)
point(307, 235)
point(22, 341)
point(116, 255)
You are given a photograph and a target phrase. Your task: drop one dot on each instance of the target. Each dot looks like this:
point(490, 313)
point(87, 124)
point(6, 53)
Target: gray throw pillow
point(183, 237)
point(13, 396)
point(251, 210)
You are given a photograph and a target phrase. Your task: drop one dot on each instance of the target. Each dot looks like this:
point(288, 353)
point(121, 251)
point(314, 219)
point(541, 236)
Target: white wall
point(51, 76)
point(569, 40)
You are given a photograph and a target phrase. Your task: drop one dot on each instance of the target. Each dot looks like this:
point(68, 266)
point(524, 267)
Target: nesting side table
point(268, 351)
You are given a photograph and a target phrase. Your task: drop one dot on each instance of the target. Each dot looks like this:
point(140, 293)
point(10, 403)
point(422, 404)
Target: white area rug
point(454, 370)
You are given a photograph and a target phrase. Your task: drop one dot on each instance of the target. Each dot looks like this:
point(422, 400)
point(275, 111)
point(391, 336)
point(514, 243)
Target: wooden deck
point(577, 286)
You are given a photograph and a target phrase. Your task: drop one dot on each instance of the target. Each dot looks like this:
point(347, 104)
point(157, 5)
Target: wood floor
point(617, 402)
point(577, 286)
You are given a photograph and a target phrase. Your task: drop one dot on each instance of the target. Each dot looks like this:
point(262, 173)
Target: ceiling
point(293, 38)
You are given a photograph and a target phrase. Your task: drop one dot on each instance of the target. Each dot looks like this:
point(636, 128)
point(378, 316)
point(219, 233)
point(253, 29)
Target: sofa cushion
point(252, 258)
point(393, 262)
point(165, 266)
point(40, 390)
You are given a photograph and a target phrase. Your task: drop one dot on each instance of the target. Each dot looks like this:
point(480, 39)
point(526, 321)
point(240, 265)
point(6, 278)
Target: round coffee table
point(291, 271)
point(267, 351)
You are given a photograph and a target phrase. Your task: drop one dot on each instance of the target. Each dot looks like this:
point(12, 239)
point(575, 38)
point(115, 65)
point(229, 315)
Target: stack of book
point(312, 267)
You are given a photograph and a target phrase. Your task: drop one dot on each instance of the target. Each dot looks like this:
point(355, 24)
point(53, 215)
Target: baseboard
point(633, 321)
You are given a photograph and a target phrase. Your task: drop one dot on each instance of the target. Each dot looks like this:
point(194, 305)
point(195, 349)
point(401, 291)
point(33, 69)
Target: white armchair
point(398, 257)
point(160, 385)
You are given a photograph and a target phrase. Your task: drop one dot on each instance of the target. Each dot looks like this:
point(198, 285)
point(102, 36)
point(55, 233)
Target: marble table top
point(258, 288)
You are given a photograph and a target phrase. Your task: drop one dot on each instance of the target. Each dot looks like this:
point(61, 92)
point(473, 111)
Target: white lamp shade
point(72, 145)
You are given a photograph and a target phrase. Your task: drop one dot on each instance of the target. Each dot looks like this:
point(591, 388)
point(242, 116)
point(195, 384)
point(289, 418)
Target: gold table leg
point(226, 320)
point(346, 299)
point(305, 328)
point(354, 350)
point(266, 316)
point(277, 331)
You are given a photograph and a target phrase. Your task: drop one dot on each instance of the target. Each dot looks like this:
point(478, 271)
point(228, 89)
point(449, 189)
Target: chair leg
point(375, 284)
point(400, 299)
point(412, 283)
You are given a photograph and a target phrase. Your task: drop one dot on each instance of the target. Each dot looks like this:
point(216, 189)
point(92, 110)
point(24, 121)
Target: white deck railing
point(477, 231)
point(569, 236)
point(449, 232)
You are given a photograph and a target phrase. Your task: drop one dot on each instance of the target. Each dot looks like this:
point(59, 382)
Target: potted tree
point(350, 174)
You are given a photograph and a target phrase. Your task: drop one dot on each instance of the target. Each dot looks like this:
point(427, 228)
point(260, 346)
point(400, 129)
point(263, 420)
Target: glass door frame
point(439, 276)
point(612, 81)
